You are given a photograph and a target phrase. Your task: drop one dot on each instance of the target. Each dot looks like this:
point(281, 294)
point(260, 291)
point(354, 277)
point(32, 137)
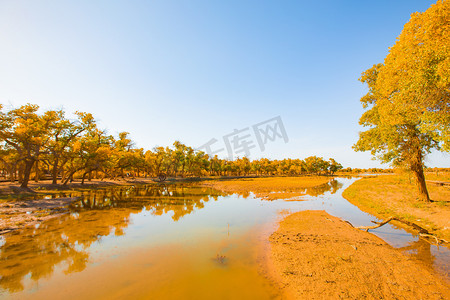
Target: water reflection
point(35, 251)
point(437, 258)
point(180, 200)
point(291, 194)
point(66, 244)
point(332, 186)
point(419, 249)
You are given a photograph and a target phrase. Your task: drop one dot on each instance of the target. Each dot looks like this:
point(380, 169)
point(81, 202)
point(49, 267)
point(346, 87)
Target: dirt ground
point(317, 256)
point(18, 214)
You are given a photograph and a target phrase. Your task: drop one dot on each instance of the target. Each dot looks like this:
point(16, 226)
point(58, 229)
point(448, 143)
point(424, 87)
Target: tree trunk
point(20, 173)
point(66, 180)
point(421, 184)
point(36, 170)
point(55, 172)
point(69, 178)
point(12, 175)
point(27, 172)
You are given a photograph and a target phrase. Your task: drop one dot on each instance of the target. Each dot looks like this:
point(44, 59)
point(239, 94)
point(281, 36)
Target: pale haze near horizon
point(192, 71)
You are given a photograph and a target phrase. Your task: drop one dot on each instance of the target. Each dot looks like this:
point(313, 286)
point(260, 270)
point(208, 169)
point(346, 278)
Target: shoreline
point(8, 188)
point(316, 255)
point(272, 188)
point(16, 213)
point(20, 214)
point(304, 254)
point(393, 196)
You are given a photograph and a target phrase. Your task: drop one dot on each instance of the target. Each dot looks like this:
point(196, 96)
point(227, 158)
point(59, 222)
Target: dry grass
point(395, 195)
point(270, 188)
point(440, 176)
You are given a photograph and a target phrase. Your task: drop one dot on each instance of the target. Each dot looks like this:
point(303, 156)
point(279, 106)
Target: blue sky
point(196, 70)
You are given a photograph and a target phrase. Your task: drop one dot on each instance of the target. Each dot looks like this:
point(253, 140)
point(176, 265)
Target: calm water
point(170, 242)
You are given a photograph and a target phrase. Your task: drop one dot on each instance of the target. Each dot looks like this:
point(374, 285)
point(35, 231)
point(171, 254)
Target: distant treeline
point(437, 169)
point(368, 170)
point(48, 145)
point(387, 170)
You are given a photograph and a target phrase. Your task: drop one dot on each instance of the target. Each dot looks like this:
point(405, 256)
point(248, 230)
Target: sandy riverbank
point(317, 256)
point(18, 214)
point(45, 186)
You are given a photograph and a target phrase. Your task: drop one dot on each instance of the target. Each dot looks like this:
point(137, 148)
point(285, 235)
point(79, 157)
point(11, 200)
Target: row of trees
point(368, 170)
point(389, 170)
point(51, 145)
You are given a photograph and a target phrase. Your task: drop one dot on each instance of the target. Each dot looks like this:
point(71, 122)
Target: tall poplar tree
point(408, 103)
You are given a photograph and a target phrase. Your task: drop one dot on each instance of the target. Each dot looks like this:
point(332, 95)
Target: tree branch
point(379, 224)
point(422, 231)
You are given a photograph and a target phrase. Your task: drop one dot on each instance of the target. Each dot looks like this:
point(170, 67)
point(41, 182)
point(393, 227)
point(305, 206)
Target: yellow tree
point(9, 159)
point(408, 103)
point(25, 131)
point(334, 166)
point(63, 133)
point(89, 152)
point(123, 154)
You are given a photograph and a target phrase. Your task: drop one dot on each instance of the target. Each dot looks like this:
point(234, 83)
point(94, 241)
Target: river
point(174, 241)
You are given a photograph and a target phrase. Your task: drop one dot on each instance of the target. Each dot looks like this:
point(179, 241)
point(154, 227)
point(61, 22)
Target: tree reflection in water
point(63, 242)
point(332, 186)
point(422, 251)
point(35, 251)
point(157, 199)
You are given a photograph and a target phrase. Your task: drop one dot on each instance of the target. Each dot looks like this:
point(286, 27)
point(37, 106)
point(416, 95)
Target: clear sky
point(197, 70)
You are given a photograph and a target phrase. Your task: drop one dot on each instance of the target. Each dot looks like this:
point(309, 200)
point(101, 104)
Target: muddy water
point(169, 242)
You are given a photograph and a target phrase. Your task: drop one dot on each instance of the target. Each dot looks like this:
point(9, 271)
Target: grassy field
point(271, 188)
point(395, 195)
